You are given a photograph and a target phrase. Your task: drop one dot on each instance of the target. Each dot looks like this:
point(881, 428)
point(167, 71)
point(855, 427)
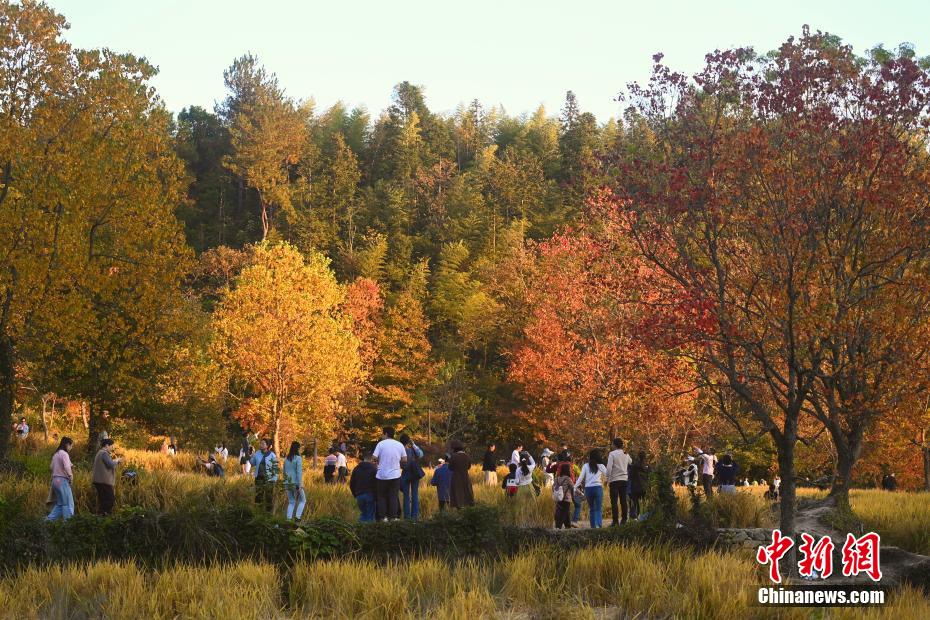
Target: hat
point(547, 452)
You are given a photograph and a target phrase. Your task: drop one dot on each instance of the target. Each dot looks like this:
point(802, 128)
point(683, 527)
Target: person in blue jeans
point(362, 484)
point(410, 478)
point(62, 478)
point(592, 478)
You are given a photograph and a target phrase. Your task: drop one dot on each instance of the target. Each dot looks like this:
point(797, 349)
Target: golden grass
point(603, 581)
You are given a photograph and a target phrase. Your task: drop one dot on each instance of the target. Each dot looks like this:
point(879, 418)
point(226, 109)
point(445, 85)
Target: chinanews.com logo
point(859, 556)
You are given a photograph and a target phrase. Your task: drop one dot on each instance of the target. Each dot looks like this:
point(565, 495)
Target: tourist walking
point(489, 465)
point(461, 494)
point(639, 472)
point(391, 457)
point(104, 477)
point(727, 470)
point(707, 461)
point(363, 485)
point(618, 468)
point(265, 471)
point(294, 482)
point(563, 489)
point(410, 476)
point(442, 480)
point(62, 478)
point(592, 480)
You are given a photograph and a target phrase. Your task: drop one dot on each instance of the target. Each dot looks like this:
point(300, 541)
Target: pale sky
point(518, 54)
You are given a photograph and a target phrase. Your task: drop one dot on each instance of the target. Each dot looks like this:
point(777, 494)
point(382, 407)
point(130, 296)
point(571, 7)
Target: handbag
point(558, 493)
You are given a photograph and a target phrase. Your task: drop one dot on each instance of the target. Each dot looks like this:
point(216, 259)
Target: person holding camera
point(104, 477)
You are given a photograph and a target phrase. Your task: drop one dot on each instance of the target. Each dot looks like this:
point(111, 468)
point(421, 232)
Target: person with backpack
point(363, 485)
point(639, 472)
point(510, 481)
point(294, 482)
point(562, 492)
point(410, 476)
point(564, 457)
point(461, 494)
point(62, 478)
point(618, 464)
point(592, 478)
point(265, 471)
point(442, 480)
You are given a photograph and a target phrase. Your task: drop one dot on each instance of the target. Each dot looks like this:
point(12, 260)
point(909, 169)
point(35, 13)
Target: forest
point(741, 260)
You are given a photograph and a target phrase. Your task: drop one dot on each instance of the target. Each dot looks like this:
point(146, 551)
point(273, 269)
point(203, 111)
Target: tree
point(780, 196)
point(282, 336)
point(268, 134)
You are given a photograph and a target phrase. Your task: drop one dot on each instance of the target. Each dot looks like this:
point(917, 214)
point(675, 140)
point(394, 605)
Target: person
point(104, 477)
point(164, 446)
point(727, 470)
point(342, 466)
point(545, 460)
point(772, 493)
point(524, 475)
point(363, 485)
point(618, 478)
point(592, 480)
point(688, 475)
point(213, 467)
point(562, 492)
point(510, 481)
point(62, 478)
point(222, 452)
point(461, 494)
point(708, 460)
point(172, 450)
point(442, 480)
point(639, 472)
point(294, 482)
point(777, 482)
point(22, 429)
point(515, 455)
point(564, 457)
point(410, 476)
point(489, 465)
point(889, 482)
point(329, 466)
point(391, 456)
point(745, 482)
point(265, 471)
point(245, 458)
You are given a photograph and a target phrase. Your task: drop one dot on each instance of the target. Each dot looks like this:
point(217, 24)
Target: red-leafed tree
point(789, 193)
point(588, 363)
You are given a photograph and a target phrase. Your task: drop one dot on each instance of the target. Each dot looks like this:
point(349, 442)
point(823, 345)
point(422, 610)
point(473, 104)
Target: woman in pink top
point(62, 477)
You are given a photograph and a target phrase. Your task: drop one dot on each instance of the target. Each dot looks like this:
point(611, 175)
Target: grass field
point(607, 582)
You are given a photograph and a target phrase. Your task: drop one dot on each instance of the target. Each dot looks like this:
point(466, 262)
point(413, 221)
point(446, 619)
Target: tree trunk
point(276, 426)
point(842, 479)
point(926, 451)
point(788, 489)
point(96, 425)
point(45, 419)
point(7, 393)
point(84, 417)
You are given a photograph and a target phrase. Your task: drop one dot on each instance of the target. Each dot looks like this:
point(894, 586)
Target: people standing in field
point(410, 476)
point(391, 457)
point(245, 458)
point(342, 466)
point(104, 477)
point(618, 473)
point(489, 465)
point(442, 480)
point(265, 471)
point(222, 453)
point(707, 463)
point(21, 429)
point(461, 494)
point(545, 460)
point(592, 478)
point(515, 455)
point(727, 470)
point(639, 476)
point(294, 482)
point(62, 479)
point(564, 457)
point(329, 466)
point(510, 481)
point(524, 476)
point(363, 485)
point(563, 489)
point(213, 467)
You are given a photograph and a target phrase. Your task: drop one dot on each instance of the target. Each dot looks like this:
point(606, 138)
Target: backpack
point(511, 486)
point(558, 493)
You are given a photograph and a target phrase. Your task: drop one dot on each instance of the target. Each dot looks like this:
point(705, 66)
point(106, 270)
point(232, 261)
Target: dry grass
point(606, 581)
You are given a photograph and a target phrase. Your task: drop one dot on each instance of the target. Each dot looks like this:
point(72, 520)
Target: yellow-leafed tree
point(283, 338)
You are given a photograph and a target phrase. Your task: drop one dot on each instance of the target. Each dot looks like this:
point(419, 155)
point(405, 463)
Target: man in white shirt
point(342, 466)
point(391, 456)
point(515, 455)
point(708, 460)
point(618, 464)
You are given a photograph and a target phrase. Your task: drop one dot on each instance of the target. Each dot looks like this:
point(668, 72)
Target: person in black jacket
point(639, 476)
point(727, 470)
point(489, 466)
point(362, 484)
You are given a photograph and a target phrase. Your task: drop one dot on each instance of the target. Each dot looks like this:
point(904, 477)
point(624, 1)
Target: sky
point(514, 53)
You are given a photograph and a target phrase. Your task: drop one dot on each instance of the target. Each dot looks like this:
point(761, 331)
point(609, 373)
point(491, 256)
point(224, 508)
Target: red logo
point(860, 555)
